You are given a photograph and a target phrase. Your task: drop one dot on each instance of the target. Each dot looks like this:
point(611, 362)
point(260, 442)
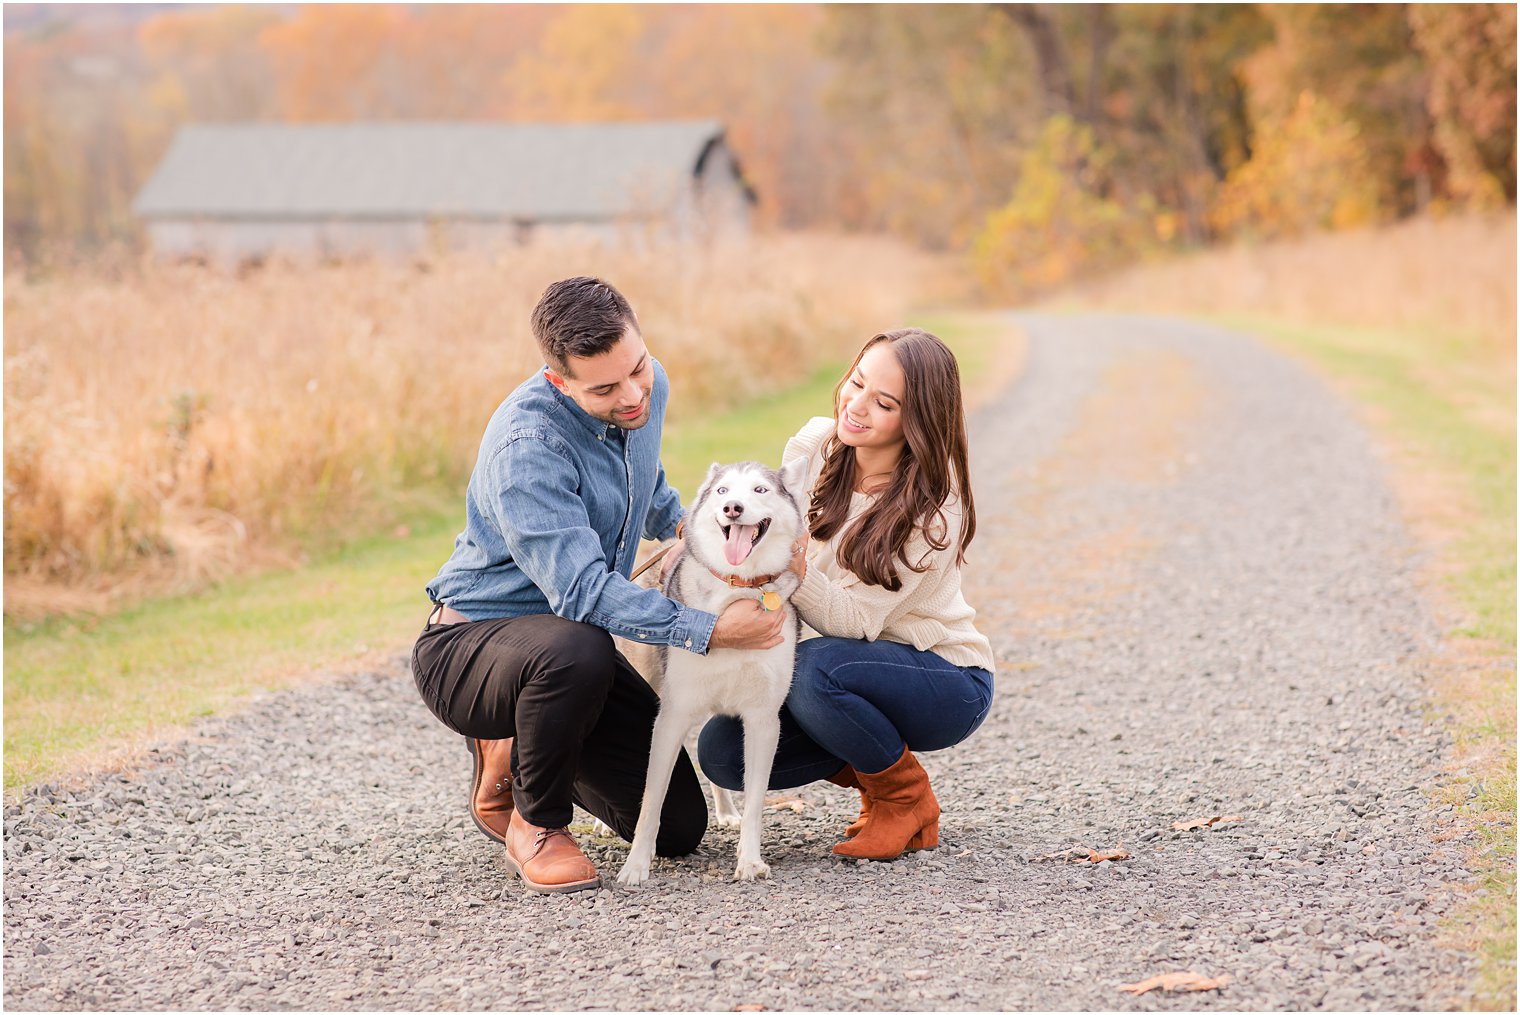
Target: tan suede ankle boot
point(904, 813)
point(847, 778)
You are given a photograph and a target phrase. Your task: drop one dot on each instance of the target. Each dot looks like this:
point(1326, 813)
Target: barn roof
point(401, 170)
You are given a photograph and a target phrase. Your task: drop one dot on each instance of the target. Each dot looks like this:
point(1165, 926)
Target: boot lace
point(545, 834)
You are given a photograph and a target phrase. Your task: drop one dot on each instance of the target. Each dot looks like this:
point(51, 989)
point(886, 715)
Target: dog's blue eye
point(759, 489)
point(722, 489)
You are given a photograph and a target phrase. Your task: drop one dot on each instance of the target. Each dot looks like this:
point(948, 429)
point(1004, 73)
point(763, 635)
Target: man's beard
point(638, 421)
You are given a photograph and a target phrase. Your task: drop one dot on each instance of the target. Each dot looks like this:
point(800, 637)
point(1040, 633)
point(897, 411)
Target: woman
point(898, 666)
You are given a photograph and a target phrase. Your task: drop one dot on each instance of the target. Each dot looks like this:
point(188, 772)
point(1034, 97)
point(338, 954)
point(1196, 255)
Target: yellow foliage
point(1061, 222)
point(1309, 171)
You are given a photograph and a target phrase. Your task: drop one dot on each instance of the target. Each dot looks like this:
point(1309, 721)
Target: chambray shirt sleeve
point(665, 511)
point(549, 535)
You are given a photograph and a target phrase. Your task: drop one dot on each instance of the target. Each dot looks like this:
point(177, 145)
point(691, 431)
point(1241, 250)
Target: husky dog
point(739, 536)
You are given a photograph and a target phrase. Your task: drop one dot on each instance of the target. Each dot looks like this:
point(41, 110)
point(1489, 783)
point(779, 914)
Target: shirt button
point(643, 635)
point(601, 436)
point(688, 643)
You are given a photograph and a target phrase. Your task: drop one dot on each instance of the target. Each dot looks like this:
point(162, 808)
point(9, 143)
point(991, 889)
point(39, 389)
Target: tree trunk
point(1055, 69)
point(1101, 31)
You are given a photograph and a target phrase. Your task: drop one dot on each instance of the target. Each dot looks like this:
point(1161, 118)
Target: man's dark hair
point(580, 316)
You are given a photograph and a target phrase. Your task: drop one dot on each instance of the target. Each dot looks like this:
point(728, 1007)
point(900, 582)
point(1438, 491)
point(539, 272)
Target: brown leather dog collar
point(735, 582)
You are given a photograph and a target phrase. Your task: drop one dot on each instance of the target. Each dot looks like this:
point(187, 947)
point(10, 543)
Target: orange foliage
point(1309, 171)
point(1471, 49)
point(920, 120)
point(328, 59)
point(582, 67)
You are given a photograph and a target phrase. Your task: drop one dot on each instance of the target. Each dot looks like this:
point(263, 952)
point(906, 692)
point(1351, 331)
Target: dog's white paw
point(634, 872)
point(604, 830)
point(726, 808)
point(749, 870)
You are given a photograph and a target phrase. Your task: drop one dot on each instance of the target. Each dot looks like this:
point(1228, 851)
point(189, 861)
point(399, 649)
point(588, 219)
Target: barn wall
point(723, 207)
point(717, 209)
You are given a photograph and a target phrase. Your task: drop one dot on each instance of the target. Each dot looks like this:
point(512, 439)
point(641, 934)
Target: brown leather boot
point(491, 789)
point(847, 778)
point(904, 813)
point(547, 859)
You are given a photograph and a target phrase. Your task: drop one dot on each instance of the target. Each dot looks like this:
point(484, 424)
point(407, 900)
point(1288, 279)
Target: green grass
point(75, 685)
point(1439, 396)
point(79, 686)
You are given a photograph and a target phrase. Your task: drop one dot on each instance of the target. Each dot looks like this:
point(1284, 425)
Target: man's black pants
point(581, 715)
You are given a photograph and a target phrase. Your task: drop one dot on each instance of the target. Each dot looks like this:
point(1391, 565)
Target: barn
point(239, 192)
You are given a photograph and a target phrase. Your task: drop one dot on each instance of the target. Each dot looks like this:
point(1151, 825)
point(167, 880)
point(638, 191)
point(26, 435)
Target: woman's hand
point(798, 564)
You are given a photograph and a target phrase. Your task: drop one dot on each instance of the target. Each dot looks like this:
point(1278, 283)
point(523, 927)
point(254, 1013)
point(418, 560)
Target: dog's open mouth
point(741, 539)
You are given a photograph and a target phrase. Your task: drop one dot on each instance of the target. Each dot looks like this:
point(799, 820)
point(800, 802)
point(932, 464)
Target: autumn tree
point(1470, 49)
point(72, 134)
point(1065, 218)
point(207, 64)
point(1359, 61)
point(931, 108)
point(940, 123)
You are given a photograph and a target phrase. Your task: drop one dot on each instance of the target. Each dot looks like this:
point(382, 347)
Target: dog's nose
point(733, 509)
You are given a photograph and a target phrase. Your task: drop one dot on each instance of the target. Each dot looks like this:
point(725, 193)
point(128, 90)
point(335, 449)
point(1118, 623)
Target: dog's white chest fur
point(731, 681)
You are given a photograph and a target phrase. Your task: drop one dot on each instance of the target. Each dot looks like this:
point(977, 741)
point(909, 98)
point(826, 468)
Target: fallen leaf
point(786, 803)
point(1064, 854)
point(1188, 826)
point(1085, 854)
point(965, 852)
point(1176, 982)
point(749, 1007)
point(1093, 856)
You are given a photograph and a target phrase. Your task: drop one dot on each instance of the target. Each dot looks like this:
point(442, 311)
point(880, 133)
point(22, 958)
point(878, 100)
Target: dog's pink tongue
point(741, 540)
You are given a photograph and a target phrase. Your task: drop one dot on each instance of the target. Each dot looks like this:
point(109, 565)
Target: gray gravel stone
point(1221, 619)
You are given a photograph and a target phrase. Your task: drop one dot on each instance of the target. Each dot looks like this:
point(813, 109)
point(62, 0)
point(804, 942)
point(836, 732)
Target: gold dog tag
point(770, 601)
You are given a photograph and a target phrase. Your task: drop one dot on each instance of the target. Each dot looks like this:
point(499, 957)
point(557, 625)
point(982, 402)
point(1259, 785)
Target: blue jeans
point(858, 703)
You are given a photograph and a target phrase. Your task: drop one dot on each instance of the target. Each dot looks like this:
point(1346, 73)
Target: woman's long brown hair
point(932, 467)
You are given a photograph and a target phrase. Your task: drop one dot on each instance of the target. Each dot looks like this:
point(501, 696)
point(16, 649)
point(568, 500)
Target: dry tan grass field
point(166, 425)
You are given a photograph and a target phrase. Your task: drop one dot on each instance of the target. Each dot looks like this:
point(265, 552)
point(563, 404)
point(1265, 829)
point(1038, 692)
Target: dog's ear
point(712, 474)
point(794, 477)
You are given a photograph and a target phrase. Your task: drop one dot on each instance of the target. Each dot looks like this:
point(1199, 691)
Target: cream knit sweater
point(928, 612)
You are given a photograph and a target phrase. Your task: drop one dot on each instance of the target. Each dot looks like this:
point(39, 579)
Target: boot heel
point(926, 837)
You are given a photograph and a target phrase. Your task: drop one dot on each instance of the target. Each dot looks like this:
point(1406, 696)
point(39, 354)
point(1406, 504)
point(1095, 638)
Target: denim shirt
point(553, 515)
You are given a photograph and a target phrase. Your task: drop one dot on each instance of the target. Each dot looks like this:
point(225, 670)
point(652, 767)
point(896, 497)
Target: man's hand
point(746, 624)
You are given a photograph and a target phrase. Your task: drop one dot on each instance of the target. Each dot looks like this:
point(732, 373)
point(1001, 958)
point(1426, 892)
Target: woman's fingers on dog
point(797, 562)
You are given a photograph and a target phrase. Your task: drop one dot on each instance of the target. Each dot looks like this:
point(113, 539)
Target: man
point(516, 655)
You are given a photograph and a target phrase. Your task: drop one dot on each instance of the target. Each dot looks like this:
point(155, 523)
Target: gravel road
point(1203, 605)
